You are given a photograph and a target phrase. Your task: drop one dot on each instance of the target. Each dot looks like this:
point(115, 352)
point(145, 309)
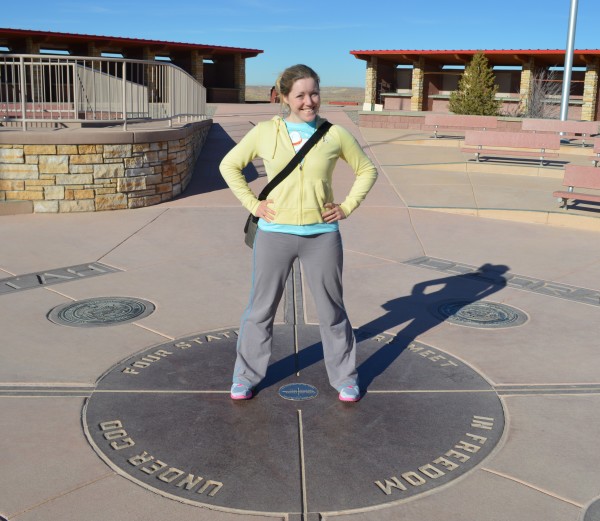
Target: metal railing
point(77, 89)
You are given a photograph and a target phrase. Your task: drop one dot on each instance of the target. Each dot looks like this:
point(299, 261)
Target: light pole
point(566, 86)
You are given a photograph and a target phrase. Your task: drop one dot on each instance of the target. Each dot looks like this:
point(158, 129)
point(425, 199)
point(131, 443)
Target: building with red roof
point(422, 80)
point(222, 70)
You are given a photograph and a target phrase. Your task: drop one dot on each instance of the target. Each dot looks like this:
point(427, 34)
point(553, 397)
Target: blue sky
point(320, 34)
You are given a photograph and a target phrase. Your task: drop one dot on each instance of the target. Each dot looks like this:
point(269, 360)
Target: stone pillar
point(239, 76)
point(34, 83)
point(197, 66)
point(31, 47)
point(93, 51)
point(371, 83)
point(150, 76)
point(418, 85)
point(527, 77)
point(24, 46)
point(148, 54)
point(590, 92)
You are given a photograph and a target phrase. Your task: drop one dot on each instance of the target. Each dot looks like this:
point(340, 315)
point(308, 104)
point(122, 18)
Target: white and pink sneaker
point(350, 393)
point(240, 392)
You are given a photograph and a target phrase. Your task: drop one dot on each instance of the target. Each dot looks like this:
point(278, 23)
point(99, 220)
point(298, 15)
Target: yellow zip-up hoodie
point(300, 198)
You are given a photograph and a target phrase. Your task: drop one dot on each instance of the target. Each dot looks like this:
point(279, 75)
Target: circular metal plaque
point(298, 392)
point(481, 314)
point(164, 419)
point(101, 311)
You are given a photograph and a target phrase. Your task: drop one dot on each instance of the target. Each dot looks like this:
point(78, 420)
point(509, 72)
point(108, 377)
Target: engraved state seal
point(101, 311)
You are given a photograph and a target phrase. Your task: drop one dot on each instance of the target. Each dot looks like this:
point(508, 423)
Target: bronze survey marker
point(101, 311)
point(481, 314)
point(164, 419)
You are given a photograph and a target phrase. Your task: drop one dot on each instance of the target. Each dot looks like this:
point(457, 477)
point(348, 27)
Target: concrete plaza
point(427, 223)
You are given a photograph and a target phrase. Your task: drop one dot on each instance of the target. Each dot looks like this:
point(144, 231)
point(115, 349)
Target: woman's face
point(304, 101)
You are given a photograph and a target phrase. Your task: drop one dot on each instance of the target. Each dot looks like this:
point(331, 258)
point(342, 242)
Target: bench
point(515, 144)
point(459, 121)
point(578, 176)
point(583, 128)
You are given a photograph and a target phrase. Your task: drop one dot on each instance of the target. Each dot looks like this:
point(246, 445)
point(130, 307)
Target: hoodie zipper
point(301, 167)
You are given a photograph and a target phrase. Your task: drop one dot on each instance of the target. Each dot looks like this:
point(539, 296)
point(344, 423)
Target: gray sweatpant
point(321, 257)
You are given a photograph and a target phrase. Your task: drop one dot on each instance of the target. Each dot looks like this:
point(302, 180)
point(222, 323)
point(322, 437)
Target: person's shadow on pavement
point(415, 310)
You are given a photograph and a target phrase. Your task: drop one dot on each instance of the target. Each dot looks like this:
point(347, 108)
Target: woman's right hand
point(264, 212)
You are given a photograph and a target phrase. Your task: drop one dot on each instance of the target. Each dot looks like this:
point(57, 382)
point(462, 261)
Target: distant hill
point(355, 94)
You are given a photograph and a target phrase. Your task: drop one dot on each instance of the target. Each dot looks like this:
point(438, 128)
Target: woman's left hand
point(333, 213)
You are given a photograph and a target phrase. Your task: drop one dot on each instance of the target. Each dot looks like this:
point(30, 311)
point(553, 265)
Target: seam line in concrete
point(37, 396)
point(38, 390)
point(46, 385)
point(152, 391)
point(533, 487)
point(472, 190)
point(61, 294)
point(380, 169)
point(374, 256)
point(302, 467)
point(154, 331)
point(547, 389)
point(120, 268)
point(17, 514)
point(133, 234)
point(416, 391)
point(84, 392)
point(549, 393)
point(546, 384)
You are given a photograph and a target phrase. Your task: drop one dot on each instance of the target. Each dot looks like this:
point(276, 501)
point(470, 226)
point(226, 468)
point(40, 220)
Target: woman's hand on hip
point(333, 213)
point(264, 212)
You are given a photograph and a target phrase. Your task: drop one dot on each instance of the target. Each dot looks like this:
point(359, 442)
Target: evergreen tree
point(476, 91)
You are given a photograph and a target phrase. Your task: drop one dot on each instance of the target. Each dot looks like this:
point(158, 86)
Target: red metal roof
point(56, 38)
point(495, 56)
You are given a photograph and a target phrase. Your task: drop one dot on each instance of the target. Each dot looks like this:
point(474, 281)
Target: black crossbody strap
point(324, 127)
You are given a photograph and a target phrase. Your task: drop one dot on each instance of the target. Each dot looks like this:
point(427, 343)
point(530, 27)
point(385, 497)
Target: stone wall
point(93, 170)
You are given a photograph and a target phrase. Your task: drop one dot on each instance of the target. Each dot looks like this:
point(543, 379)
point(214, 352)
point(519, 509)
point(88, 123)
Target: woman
point(298, 220)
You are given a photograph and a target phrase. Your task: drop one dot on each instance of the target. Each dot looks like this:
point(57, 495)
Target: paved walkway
point(187, 258)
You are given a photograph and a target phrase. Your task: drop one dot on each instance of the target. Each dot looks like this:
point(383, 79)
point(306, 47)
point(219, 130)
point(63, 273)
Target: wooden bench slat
point(579, 176)
point(596, 158)
point(582, 176)
point(517, 144)
point(580, 196)
point(587, 128)
point(512, 139)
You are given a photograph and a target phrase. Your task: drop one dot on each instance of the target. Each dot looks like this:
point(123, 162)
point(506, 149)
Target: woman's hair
point(286, 79)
